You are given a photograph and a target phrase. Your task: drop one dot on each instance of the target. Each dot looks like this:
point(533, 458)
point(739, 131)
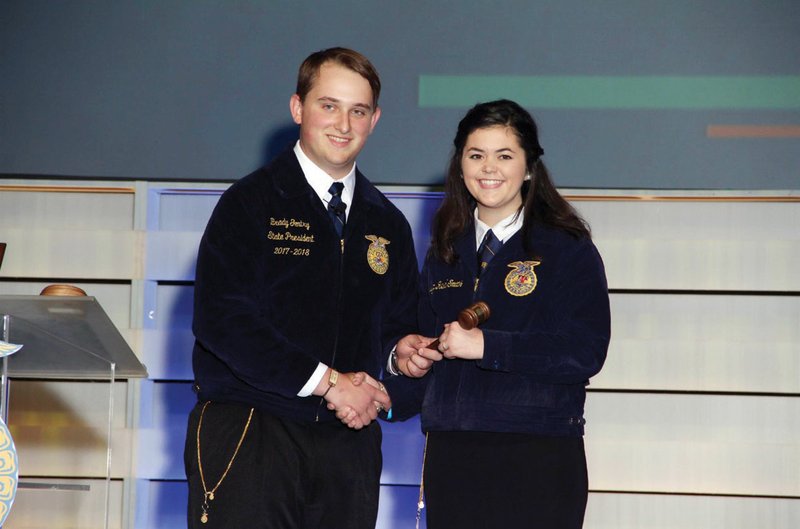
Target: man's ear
point(375, 117)
point(296, 108)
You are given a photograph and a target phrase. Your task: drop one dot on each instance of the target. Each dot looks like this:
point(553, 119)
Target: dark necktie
point(489, 246)
point(336, 207)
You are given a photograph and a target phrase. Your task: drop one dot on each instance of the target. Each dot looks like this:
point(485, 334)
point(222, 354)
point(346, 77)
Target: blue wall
point(199, 90)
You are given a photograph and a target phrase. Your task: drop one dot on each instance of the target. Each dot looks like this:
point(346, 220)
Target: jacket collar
point(467, 249)
point(290, 183)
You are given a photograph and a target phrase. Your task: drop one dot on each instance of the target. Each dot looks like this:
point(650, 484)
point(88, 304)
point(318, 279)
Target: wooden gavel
point(469, 318)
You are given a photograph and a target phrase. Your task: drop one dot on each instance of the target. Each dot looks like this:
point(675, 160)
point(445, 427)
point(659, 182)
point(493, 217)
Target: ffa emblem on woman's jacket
point(522, 279)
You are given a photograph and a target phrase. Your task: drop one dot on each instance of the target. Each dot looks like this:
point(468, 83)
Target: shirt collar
point(320, 181)
point(503, 230)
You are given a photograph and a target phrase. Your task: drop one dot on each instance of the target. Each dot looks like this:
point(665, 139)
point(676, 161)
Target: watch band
point(394, 369)
point(333, 378)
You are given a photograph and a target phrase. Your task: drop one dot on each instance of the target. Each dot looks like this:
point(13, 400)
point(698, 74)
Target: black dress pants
point(483, 480)
point(287, 475)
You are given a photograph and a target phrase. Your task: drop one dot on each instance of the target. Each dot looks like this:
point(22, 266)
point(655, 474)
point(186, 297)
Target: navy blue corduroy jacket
point(540, 348)
point(276, 293)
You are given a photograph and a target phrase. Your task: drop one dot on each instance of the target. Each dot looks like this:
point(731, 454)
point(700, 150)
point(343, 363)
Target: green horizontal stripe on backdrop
point(638, 92)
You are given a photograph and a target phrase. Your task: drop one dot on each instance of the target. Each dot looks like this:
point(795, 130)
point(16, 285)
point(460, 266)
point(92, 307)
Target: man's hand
point(347, 414)
point(356, 404)
point(413, 359)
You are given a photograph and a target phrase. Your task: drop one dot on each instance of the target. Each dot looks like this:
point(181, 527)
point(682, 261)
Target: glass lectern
point(64, 339)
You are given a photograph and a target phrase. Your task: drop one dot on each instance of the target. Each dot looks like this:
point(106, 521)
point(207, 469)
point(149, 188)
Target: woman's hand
point(456, 342)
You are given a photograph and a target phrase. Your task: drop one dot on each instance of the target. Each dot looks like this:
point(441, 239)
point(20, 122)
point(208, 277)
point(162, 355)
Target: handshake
point(356, 397)
point(358, 404)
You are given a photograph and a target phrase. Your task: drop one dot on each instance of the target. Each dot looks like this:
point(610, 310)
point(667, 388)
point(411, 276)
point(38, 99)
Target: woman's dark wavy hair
point(541, 200)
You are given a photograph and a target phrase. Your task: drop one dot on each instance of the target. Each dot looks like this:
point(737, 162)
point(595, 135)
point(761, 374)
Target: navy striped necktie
point(336, 207)
point(489, 246)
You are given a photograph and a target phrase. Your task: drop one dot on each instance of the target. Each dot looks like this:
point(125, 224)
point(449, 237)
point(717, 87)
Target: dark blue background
point(200, 89)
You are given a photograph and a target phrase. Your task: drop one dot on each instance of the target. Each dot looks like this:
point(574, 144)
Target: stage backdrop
point(628, 94)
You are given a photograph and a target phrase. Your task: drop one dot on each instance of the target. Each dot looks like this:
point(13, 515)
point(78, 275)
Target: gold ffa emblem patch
point(377, 256)
point(522, 279)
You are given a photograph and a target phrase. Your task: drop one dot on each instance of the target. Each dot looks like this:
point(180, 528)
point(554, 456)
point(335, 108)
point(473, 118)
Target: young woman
point(503, 407)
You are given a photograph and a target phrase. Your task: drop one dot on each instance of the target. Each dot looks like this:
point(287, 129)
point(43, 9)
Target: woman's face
point(493, 168)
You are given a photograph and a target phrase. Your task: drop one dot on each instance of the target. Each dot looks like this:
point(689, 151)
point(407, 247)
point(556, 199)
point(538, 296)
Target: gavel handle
point(468, 319)
point(434, 345)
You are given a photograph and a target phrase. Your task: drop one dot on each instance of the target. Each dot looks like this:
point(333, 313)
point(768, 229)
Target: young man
point(302, 288)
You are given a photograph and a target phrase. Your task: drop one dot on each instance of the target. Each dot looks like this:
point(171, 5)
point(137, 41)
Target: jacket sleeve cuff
point(496, 351)
point(407, 395)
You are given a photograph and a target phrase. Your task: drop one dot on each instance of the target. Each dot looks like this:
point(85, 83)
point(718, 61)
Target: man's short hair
point(350, 59)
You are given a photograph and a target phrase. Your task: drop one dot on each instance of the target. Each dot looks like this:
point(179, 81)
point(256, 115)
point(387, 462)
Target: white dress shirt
point(503, 230)
point(320, 182)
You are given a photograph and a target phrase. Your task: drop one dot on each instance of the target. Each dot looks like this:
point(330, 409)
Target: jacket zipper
point(338, 316)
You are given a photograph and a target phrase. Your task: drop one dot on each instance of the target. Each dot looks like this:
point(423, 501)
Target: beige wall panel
point(716, 444)
point(167, 353)
point(678, 364)
point(724, 220)
point(692, 467)
point(648, 511)
point(703, 343)
point(688, 244)
point(72, 509)
point(703, 317)
point(697, 244)
point(60, 428)
point(172, 255)
point(90, 254)
point(651, 263)
point(37, 210)
point(184, 210)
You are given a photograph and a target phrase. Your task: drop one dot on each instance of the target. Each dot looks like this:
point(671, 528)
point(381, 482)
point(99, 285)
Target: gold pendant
point(204, 518)
point(211, 496)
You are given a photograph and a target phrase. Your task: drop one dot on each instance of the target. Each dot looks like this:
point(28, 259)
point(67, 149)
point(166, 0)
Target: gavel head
point(473, 315)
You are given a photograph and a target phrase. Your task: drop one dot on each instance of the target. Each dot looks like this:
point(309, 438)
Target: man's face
point(335, 118)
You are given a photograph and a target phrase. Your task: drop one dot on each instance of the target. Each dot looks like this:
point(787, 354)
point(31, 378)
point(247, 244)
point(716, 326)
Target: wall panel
point(689, 335)
point(693, 422)
point(667, 511)
point(725, 241)
point(694, 443)
point(702, 342)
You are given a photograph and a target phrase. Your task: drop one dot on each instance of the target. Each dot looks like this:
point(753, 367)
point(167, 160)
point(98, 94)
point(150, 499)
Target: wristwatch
point(333, 378)
point(394, 369)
